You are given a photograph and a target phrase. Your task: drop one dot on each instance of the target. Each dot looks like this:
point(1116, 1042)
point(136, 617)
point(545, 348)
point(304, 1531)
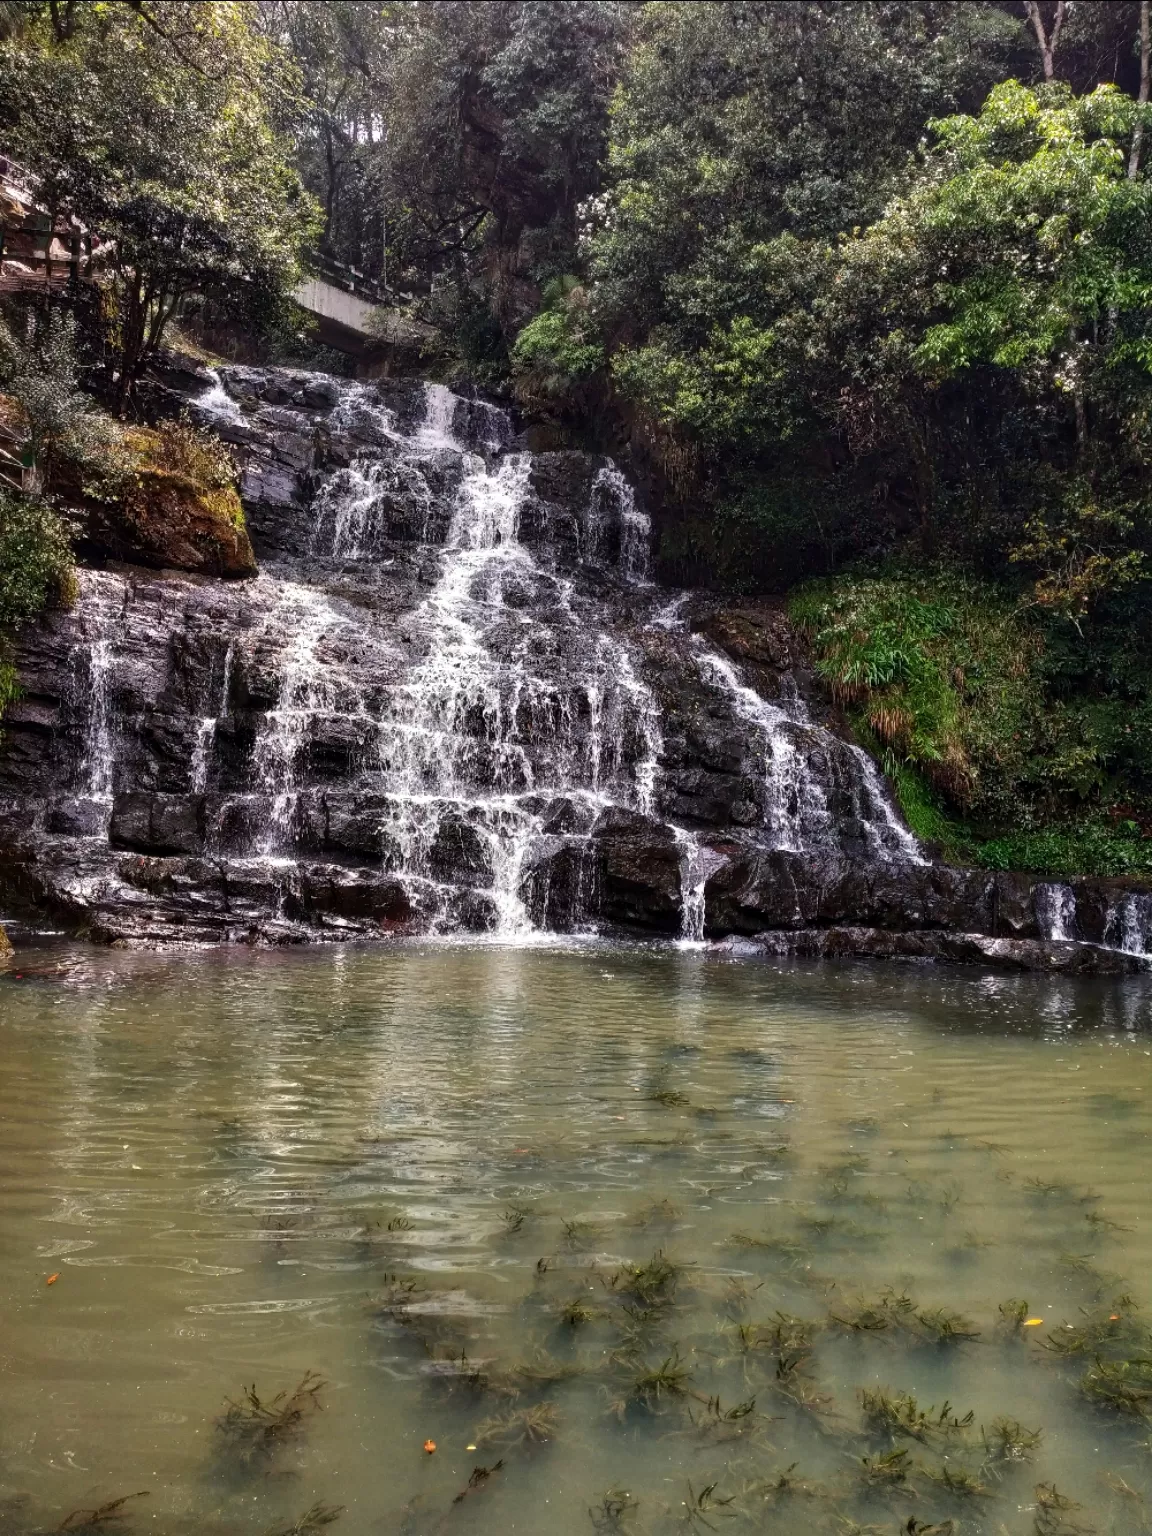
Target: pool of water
point(641, 1240)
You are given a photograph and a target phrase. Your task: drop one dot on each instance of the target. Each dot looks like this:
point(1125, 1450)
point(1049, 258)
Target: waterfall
point(103, 607)
point(99, 760)
point(205, 743)
point(801, 762)
point(614, 517)
point(1056, 911)
point(453, 699)
point(1128, 926)
point(483, 732)
point(216, 403)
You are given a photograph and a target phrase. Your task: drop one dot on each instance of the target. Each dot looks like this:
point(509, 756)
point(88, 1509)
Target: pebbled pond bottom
point(642, 1240)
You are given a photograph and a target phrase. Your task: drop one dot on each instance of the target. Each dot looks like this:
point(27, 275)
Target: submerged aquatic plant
point(1012, 1315)
point(701, 1509)
point(959, 1482)
point(529, 1427)
point(792, 1384)
point(897, 1415)
point(254, 1428)
point(888, 1473)
point(669, 1098)
point(1046, 1189)
point(540, 1369)
point(784, 1484)
point(616, 1512)
point(101, 1516)
point(652, 1284)
point(1054, 1512)
point(658, 1213)
point(1114, 1331)
point(1007, 1440)
point(396, 1296)
point(782, 1334)
point(939, 1326)
point(1124, 1386)
point(717, 1423)
point(788, 1251)
point(654, 1383)
point(478, 1480)
point(577, 1312)
point(1101, 1223)
point(310, 1522)
point(578, 1233)
point(892, 1309)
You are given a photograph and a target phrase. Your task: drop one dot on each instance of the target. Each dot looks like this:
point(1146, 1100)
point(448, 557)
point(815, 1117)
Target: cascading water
point(481, 737)
point(104, 615)
point(802, 763)
point(1056, 912)
point(209, 724)
point(452, 699)
point(1128, 926)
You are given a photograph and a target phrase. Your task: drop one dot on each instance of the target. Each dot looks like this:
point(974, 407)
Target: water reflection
point(441, 1178)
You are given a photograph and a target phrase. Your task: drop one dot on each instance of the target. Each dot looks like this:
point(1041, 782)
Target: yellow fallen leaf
point(1033, 1322)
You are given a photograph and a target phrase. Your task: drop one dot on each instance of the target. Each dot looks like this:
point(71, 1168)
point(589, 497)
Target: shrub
point(35, 571)
point(39, 374)
point(943, 670)
point(178, 455)
point(558, 352)
point(35, 559)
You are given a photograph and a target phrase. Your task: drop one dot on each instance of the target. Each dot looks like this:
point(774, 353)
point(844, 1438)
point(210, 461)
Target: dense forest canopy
point(863, 287)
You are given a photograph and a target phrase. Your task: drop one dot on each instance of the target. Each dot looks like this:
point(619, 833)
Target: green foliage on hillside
point(36, 571)
point(1006, 743)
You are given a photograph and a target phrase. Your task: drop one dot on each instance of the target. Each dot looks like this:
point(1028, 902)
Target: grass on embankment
point(1008, 746)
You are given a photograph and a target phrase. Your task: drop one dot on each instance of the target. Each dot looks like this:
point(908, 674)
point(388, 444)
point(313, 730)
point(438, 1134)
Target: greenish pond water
point(657, 1238)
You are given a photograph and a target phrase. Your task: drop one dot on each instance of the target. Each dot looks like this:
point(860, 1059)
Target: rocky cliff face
point(452, 700)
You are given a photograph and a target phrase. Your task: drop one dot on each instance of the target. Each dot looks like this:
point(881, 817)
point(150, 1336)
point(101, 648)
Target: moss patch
point(168, 498)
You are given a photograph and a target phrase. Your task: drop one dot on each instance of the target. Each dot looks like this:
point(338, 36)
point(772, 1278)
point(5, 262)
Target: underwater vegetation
point(815, 1366)
point(253, 1428)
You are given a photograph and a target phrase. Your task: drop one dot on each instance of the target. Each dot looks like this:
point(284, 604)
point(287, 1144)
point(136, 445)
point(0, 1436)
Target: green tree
point(167, 128)
point(1019, 264)
point(41, 374)
point(344, 51)
point(738, 124)
point(497, 122)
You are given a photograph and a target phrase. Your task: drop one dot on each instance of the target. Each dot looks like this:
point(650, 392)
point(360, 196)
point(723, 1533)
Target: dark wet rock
point(152, 823)
point(200, 761)
point(76, 817)
point(458, 854)
point(1069, 959)
point(561, 886)
point(636, 870)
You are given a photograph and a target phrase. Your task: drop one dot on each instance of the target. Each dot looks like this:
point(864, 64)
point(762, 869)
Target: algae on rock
point(169, 500)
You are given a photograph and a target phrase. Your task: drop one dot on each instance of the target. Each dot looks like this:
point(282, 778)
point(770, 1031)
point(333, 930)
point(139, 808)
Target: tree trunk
point(131, 338)
point(1142, 98)
point(1047, 39)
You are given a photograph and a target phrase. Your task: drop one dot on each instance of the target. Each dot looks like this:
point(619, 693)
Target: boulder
point(174, 506)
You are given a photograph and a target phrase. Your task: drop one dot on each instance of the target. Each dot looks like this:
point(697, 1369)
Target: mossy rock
point(172, 503)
